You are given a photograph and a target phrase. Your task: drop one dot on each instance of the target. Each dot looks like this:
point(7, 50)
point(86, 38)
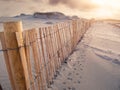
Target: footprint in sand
point(81, 69)
point(78, 62)
point(69, 59)
point(64, 89)
point(78, 81)
point(64, 82)
point(69, 74)
point(74, 65)
point(52, 82)
point(83, 60)
point(64, 69)
point(80, 77)
point(78, 58)
point(70, 88)
point(75, 69)
point(57, 72)
point(69, 78)
point(55, 76)
point(73, 88)
point(75, 82)
point(77, 73)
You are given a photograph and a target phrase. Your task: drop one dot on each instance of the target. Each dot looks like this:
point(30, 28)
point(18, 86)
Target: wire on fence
point(64, 44)
point(44, 36)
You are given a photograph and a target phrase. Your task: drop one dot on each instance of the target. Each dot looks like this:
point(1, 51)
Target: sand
point(95, 63)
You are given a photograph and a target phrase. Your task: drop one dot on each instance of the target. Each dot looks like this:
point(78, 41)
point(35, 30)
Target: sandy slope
point(95, 64)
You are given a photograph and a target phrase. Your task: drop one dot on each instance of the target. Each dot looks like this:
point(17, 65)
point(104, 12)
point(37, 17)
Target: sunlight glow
point(99, 2)
point(106, 8)
point(102, 13)
point(106, 3)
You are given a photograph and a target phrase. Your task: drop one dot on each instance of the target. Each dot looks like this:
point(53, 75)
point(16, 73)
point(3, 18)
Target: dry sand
point(95, 63)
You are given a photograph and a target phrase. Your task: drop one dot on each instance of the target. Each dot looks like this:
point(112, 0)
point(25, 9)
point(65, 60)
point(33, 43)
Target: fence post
point(19, 71)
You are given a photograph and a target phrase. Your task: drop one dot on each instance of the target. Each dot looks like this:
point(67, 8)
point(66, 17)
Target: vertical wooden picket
point(19, 71)
point(32, 57)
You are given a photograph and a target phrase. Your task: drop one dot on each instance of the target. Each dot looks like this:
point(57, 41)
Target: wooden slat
point(27, 50)
point(48, 48)
point(60, 42)
point(23, 58)
point(33, 40)
point(56, 44)
point(41, 63)
point(52, 49)
point(42, 39)
point(43, 70)
point(56, 47)
point(47, 54)
point(60, 55)
point(66, 42)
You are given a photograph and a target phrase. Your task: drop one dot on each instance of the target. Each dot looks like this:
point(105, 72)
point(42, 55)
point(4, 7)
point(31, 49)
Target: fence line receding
point(32, 57)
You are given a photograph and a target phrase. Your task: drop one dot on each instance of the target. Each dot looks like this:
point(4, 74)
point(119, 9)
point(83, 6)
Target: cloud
point(84, 5)
point(83, 8)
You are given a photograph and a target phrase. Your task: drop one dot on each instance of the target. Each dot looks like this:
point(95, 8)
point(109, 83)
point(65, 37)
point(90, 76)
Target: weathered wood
point(52, 49)
point(2, 38)
point(23, 57)
point(51, 32)
point(67, 39)
point(59, 53)
point(44, 70)
point(47, 55)
point(54, 45)
point(70, 32)
point(33, 41)
point(42, 39)
point(41, 63)
point(64, 40)
point(48, 48)
point(60, 42)
point(14, 56)
point(27, 51)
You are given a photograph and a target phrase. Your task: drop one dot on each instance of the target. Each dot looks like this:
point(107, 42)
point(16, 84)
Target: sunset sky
point(82, 8)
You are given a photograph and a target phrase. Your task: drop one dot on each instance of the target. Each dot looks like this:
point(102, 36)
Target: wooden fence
point(33, 56)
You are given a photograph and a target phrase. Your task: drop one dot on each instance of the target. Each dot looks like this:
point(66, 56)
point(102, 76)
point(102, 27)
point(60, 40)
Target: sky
point(83, 8)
